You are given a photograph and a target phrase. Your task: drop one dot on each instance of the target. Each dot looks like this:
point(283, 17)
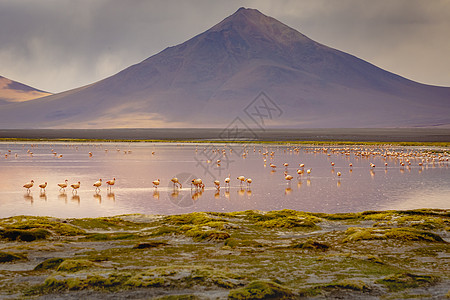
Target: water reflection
point(43, 196)
point(98, 197)
point(28, 197)
point(196, 194)
point(62, 196)
point(135, 169)
point(111, 196)
point(175, 194)
point(76, 198)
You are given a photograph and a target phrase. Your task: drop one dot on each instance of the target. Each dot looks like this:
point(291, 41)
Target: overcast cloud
point(56, 45)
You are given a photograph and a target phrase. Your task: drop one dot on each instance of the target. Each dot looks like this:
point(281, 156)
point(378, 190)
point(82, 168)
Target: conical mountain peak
point(253, 22)
point(210, 79)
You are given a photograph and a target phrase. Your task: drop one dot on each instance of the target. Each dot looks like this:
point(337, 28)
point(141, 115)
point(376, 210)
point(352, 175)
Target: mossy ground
point(240, 255)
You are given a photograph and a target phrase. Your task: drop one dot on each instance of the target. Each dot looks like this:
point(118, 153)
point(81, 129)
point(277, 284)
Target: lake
point(136, 165)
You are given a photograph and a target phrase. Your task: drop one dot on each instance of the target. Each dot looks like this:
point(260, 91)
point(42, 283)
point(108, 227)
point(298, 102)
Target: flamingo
point(156, 183)
point(62, 186)
point(227, 181)
point(110, 183)
point(28, 185)
point(75, 186)
point(198, 183)
point(176, 182)
point(98, 184)
point(217, 184)
point(249, 181)
point(288, 178)
point(338, 174)
point(242, 179)
point(43, 186)
point(308, 171)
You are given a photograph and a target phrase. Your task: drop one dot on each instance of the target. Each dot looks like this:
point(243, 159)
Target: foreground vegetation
point(240, 255)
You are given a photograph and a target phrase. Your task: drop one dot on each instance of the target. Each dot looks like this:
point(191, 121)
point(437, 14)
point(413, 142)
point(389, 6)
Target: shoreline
point(410, 136)
point(236, 255)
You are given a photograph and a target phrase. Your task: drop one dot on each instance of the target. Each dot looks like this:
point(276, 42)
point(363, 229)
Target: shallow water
point(359, 188)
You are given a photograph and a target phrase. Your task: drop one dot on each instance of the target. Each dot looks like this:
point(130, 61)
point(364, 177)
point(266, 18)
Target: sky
point(57, 45)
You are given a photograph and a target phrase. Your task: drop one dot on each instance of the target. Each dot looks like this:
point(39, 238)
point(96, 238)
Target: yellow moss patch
point(402, 234)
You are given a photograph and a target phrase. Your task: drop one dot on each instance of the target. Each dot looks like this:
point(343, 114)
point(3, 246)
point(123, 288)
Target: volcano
point(249, 67)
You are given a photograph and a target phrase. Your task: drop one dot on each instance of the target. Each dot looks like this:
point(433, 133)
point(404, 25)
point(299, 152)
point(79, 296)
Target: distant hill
point(214, 77)
point(12, 91)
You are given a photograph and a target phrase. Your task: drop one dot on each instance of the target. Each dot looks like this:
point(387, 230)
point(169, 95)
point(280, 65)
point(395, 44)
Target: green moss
point(163, 230)
point(401, 281)
point(24, 235)
point(288, 222)
point(339, 216)
point(145, 280)
point(54, 225)
point(401, 234)
point(422, 222)
point(385, 216)
point(105, 223)
point(207, 235)
point(74, 265)
point(216, 224)
point(356, 285)
point(52, 263)
point(111, 236)
point(150, 244)
point(210, 276)
point(233, 242)
point(111, 282)
point(9, 257)
point(351, 284)
point(196, 218)
point(311, 245)
point(262, 290)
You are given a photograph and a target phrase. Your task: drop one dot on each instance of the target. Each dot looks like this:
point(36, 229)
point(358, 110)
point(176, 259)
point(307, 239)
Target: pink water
point(358, 188)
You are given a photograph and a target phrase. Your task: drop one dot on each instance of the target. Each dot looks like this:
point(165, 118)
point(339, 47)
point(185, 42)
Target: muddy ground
point(242, 255)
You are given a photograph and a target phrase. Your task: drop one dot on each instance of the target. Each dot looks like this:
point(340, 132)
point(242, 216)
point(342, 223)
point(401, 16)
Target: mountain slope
point(12, 91)
point(210, 79)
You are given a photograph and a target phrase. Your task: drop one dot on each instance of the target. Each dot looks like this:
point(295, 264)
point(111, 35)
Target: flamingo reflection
point(76, 198)
point(111, 196)
point(98, 197)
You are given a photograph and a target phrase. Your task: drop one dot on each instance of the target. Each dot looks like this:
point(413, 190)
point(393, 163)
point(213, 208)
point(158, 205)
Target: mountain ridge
point(13, 91)
point(209, 79)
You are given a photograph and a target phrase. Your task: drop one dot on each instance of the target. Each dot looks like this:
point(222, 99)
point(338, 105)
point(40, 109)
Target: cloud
point(56, 45)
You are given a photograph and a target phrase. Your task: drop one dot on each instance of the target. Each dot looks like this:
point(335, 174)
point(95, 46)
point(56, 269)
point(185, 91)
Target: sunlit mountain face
point(12, 91)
